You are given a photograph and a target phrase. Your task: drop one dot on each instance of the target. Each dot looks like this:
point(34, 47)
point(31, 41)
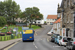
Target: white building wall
point(39, 22)
point(58, 28)
point(50, 20)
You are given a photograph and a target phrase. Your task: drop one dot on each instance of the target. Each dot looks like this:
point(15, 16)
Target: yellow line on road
point(36, 33)
point(48, 39)
point(11, 46)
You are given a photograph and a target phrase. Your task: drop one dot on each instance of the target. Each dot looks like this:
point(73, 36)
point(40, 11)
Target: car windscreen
point(65, 39)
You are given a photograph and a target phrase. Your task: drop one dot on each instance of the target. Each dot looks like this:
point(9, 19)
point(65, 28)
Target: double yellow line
point(11, 46)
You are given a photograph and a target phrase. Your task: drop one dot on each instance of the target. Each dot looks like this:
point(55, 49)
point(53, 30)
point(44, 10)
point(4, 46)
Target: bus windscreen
point(27, 31)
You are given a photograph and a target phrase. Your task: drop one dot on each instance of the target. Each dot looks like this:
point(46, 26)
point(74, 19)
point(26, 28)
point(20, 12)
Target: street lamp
point(74, 24)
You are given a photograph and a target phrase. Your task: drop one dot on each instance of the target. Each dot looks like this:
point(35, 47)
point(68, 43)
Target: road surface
point(41, 42)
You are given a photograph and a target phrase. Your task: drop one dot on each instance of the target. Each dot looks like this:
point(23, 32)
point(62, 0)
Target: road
point(41, 42)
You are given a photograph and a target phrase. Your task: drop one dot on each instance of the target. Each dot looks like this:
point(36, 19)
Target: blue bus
point(27, 35)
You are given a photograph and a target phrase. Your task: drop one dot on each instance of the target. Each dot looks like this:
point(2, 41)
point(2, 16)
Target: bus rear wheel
point(32, 40)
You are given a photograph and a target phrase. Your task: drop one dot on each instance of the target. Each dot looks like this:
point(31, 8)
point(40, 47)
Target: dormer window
point(58, 14)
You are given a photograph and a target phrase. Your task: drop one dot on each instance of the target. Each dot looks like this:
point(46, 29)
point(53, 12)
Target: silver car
point(71, 44)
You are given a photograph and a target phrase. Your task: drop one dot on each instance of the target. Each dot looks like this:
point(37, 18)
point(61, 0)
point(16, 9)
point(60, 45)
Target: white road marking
point(47, 39)
point(56, 46)
point(35, 33)
point(34, 45)
point(65, 48)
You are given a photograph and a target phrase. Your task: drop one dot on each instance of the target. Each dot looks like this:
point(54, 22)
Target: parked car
point(2, 34)
point(57, 39)
point(71, 44)
point(53, 36)
point(63, 41)
point(51, 32)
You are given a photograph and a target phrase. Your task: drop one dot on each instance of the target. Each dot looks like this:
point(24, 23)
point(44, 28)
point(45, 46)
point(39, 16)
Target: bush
point(2, 21)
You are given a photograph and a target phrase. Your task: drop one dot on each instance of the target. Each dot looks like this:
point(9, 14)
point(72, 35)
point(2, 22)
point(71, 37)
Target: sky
point(47, 7)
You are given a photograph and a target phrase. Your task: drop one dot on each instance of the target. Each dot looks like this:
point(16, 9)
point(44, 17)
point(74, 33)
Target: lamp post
point(74, 24)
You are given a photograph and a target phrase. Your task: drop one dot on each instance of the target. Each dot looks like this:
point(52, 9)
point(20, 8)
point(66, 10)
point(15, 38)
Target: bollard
point(7, 38)
point(10, 37)
point(4, 39)
point(14, 37)
point(20, 35)
point(17, 36)
point(1, 38)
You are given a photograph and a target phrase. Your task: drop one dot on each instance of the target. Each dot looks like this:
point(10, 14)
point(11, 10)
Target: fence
point(5, 38)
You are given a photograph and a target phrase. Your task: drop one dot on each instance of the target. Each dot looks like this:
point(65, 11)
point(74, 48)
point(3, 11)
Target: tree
point(1, 8)
point(9, 9)
point(2, 21)
point(32, 14)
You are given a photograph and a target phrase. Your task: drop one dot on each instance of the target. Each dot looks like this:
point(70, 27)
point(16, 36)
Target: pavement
point(5, 44)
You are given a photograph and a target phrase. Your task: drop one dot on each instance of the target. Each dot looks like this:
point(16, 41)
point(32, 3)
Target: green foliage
point(44, 21)
point(31, 15)
point(9, 9)
point(2, 21)
point(35, 27)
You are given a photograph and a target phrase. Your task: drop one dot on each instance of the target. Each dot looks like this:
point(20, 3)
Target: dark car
point(2, 34)
point(53, 36)
point(71, 44)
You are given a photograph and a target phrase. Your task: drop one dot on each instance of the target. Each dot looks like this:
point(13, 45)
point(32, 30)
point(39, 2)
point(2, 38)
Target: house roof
point(57, 21)
point(52, 17)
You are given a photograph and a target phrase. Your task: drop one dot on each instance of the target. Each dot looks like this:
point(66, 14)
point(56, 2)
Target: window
point(55, 19)
point(58, 14)
point(47, 19)
point(47, 22)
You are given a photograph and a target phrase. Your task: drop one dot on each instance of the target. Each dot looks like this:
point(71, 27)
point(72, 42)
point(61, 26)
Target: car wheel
point(23, 41)
point(71, 48)
point(60, 44)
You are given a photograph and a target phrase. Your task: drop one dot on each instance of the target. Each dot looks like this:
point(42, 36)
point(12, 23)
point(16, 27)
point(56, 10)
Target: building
point(51, 19)
point(56, 26)
point(19, 20)
point(67, 13)
point(39, 21)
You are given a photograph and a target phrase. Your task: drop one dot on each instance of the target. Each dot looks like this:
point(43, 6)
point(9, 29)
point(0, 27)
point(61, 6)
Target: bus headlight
point(30, 37)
